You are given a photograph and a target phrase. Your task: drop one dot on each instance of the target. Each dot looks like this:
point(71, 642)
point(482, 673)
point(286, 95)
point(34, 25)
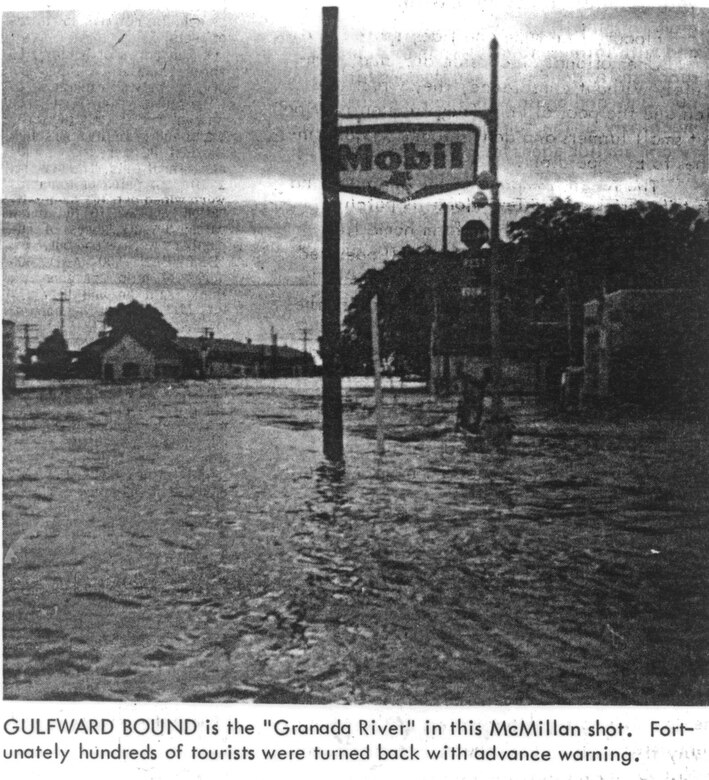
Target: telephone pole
point(27, 328)
point(274, 352)
point(61, 300)
point(305, 340)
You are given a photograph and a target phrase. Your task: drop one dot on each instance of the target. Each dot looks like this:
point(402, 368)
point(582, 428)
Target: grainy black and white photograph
point(356, 355)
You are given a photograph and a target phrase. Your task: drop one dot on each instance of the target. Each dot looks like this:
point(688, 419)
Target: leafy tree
point(142, 321)
point(412, 288)
point(53, 357)
point(561, 256)
point(574, 254)
point(557, 240)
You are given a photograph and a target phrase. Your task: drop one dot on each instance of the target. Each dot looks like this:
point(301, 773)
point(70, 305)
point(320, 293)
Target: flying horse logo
point(399, 179)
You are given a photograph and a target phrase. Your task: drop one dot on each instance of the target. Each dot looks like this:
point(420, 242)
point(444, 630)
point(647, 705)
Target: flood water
point(186, 542)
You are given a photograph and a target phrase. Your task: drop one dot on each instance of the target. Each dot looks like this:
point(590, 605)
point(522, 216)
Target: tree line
point(557, 257)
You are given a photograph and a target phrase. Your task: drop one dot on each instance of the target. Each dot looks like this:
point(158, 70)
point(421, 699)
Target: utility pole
point(61, 300)
point(305, 352)
point(433, 334)
point(274, 352)
point(27, 328)
point(377, 364)
point(495, 338)
point(331, 370)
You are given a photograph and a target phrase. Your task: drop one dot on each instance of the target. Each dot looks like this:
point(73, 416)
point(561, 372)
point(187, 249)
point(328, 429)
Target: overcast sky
point(596, 104)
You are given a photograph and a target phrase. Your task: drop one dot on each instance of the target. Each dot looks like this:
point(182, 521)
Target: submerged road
point(185, 543)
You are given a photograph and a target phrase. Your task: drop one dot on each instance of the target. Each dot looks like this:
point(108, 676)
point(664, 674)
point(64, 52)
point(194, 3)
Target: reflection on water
point(330, 483)
point(188, 543)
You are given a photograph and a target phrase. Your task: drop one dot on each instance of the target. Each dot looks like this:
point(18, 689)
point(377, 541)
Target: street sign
point(407, 161)
point(474, 234)
point(472, 292)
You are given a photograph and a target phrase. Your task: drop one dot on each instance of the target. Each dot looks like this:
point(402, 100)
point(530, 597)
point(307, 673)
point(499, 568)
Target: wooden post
point(433, 338)
point(444, 238)
point(495, 336)
point(376, 362)
point(331, 376)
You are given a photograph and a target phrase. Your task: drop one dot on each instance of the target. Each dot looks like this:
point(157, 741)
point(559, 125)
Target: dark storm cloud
point(612, 97)
point(168, 246)
point(610, 117)
point(602, 94)
point(667, 29)
point(613, 94)
point(202, 94)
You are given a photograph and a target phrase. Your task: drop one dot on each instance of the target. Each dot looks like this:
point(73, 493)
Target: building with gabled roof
point(215, 357)
point(128, 357)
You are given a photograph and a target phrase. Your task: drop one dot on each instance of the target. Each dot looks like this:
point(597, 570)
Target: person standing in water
point(472, 401)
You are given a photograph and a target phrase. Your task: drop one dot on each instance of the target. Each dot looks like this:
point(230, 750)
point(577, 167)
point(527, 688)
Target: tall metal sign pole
point(330, 352)
point(399, 157)
point(495, 336)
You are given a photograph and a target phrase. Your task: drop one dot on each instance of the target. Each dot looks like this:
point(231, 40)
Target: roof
point(98, 346)
point(230, 348)
point(161, 348)
point(227, 346)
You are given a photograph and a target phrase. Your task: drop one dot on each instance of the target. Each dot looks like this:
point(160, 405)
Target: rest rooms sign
point(406, 161)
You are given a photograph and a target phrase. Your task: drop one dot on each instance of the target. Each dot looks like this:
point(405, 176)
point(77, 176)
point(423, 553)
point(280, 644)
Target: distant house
point(120, 356)
point(643, 346)
point(125, 357)
point(211, 357)
point(294, 362)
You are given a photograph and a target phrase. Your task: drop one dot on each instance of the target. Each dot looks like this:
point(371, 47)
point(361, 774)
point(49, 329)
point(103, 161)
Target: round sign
point(480, 200)
point(485, 180)
point(474, 234)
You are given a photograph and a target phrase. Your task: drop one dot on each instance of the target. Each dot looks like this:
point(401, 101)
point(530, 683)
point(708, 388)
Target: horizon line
point(699, 203)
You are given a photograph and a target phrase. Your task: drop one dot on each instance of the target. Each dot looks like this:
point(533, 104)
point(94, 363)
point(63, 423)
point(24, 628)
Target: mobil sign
point(407, 161)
